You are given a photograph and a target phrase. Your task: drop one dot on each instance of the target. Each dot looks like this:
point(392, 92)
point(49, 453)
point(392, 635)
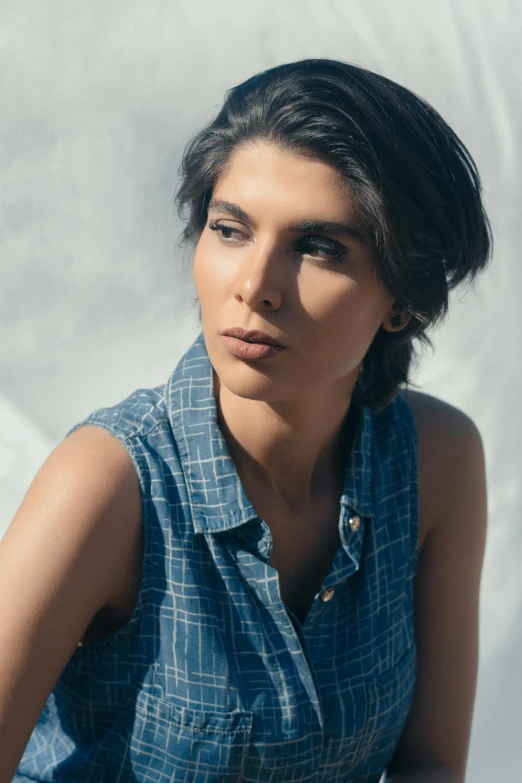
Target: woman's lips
point(252, 351)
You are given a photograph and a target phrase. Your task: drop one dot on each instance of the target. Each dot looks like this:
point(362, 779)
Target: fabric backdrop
point(97, 101)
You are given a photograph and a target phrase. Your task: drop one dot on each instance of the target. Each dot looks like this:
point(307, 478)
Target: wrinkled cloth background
point(96, 103)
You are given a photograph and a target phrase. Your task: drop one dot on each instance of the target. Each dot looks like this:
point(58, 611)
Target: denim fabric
point(213, 679)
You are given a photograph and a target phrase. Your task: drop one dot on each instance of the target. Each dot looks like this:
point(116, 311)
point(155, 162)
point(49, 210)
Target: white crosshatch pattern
point(213, 678)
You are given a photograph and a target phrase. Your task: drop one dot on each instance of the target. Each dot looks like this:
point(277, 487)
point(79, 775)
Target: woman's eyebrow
point(305, 227)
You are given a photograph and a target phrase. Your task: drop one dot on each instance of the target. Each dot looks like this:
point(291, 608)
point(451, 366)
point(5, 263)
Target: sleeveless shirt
point(213, 678)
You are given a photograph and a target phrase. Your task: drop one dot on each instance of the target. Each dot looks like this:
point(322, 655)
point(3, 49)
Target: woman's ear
point(396, 319)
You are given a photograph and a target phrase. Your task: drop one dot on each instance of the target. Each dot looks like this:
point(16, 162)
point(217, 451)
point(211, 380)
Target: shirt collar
point(217, 498)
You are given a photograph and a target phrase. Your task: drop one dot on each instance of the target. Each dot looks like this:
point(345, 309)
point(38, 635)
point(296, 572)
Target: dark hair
point(412, 180)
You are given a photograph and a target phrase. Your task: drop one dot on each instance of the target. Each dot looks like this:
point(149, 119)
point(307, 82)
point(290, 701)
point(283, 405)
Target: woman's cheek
point(214, 270)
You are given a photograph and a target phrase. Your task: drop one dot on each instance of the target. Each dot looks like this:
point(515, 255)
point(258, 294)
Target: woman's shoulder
point(451, 459)
point(137, 414)
point(444, 432)
point(433, 412)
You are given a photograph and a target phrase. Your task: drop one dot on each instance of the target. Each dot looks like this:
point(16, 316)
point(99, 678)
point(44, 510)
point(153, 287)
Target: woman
point(267, 569)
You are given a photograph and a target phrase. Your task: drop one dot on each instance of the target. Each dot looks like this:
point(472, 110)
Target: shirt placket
point(345, 563)
point(263, 579)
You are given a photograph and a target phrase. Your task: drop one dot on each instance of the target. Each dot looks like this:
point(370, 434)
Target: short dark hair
point(412, 180)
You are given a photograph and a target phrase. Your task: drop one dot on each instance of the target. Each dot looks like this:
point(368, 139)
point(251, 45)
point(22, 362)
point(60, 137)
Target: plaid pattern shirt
point(213, 678)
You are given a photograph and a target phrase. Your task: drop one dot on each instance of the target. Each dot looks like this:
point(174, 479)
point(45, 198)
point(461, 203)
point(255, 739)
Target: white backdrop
point(97, 100)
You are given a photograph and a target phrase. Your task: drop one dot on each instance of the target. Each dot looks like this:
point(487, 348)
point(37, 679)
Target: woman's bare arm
point(70, 550)
point(452, 497)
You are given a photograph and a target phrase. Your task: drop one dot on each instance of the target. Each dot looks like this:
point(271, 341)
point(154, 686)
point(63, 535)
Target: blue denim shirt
point(213, 679)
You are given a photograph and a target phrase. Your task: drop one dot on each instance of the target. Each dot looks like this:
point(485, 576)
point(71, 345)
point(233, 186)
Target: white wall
point(97, 100)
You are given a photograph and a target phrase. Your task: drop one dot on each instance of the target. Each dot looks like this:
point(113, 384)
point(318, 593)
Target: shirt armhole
point(133, 444)
point(410, 436)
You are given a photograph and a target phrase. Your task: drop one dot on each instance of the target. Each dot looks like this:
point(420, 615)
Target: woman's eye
point(226, 232)
point(322, 251)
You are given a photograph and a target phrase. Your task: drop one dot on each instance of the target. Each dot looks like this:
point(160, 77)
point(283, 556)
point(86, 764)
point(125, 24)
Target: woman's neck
point(294, 450)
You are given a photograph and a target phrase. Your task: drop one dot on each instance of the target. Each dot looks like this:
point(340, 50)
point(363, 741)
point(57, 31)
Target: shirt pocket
point(173, 743)
point(389, 696)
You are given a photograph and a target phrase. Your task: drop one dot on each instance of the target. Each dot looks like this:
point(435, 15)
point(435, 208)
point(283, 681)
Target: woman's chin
point(249, 383)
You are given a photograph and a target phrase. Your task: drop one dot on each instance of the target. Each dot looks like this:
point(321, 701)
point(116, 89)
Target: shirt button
point(355, 523)
point(327, 594)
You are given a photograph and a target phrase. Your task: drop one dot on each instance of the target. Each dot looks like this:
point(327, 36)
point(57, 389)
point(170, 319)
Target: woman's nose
point(259, 282)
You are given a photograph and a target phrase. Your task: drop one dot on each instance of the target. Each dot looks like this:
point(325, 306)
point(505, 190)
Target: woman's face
point(268, 261)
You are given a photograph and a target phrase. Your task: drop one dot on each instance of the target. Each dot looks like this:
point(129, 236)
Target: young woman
point(267, 568)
